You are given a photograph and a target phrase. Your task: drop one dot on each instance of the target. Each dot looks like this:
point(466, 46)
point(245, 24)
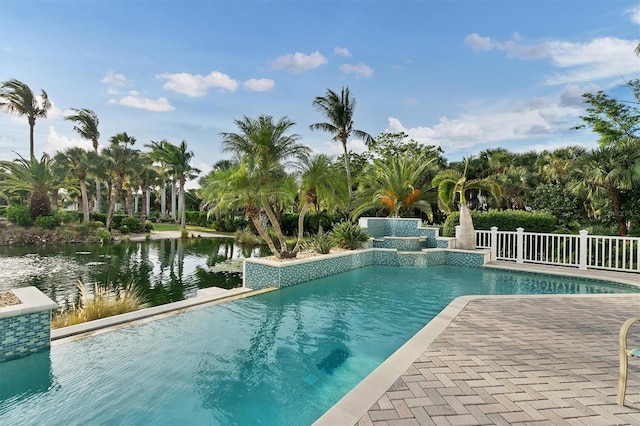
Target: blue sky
point(466, 75)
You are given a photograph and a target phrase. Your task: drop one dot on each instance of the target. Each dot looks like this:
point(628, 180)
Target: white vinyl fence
point(582, 251)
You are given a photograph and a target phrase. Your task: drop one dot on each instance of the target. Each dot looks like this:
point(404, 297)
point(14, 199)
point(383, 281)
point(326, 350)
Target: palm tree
point(338, 110)
point(606, 171)
point(396, 184)
point(31, 175)
point(77, 164)
point(265, 151)
point(17, 98)
point(119, 158)
point(147, 177)
point(87, 127)
point(178, 162)
point(452, 186)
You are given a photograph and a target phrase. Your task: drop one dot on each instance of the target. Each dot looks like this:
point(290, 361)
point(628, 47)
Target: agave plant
point(348, 235)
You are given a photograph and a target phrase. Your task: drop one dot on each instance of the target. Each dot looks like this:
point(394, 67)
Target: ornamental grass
point(102, 303)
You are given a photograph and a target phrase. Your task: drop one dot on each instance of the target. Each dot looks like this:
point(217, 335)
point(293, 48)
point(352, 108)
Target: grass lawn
point(176, 227)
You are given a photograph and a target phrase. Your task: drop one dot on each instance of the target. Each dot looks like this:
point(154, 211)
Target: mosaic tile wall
point(379, 227)
point(401, 244)
point(444, 242)
point(259, 275)
point(22, 335)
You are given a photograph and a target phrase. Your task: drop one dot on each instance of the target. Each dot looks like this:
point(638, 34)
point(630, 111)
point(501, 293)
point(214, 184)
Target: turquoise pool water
point(279, 358)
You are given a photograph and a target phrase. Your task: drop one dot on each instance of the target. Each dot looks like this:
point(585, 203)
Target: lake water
point(163, 270)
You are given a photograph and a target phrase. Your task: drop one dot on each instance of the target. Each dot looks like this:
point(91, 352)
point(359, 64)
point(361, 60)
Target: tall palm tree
point(148, 176)
point(17, 98)
point(77, 164)
point(178, 162)
point(87, 127)
point(265, 150)
point(119, 156)
point(452, 188)
point(338, 109)
point(31, 175)
point(396, 184)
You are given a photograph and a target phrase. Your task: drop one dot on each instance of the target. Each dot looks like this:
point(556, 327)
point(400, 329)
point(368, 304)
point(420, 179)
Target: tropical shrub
point(67, 216)
point(124, 229)
point(246, 237)
point(148, 226)
point(19, 215)
point(133, 224)
point(47, 222)
point(506, 220)
point(348, 235)
point(3, 211)
point(321, 243)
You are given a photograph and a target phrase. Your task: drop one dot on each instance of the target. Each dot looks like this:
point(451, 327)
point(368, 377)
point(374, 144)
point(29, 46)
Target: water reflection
point(163, 271)
point(25, 377)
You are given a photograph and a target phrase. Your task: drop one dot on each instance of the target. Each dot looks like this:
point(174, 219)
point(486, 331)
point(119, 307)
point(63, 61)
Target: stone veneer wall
point(25, 328)
point(259, 273)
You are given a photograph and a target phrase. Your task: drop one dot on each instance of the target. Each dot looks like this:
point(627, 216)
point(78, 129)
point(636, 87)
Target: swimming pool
point(282, 357)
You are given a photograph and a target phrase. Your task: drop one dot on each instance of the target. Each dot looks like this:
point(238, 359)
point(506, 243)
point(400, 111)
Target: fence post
point(494, 243)
point(582, 250)
point(520, 245)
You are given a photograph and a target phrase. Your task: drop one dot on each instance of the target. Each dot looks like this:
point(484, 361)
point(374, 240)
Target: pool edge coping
point(116, 322)
point(359, 400)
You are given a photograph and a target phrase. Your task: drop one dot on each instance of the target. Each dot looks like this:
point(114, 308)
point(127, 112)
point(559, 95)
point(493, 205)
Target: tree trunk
point(85, 201)
point(301, 215)
point(31, 150)
point(616, 206)
point(255, 218)
point(467, 237)
point(276, 227)
point(346, 167)
point(112, 204)
point(183, 213)
point(98, 206)
point(163, 201)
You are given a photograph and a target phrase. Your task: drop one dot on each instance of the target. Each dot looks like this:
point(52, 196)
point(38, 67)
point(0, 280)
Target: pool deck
point(507, 360)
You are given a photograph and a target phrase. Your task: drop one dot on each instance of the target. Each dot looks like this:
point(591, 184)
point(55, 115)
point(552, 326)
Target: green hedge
point(505, 220)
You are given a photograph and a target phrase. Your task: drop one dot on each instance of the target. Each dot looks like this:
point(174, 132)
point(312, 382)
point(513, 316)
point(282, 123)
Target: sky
point(465, 75)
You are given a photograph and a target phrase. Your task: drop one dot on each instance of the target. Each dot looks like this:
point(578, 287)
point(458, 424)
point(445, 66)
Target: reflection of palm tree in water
point(219, 374)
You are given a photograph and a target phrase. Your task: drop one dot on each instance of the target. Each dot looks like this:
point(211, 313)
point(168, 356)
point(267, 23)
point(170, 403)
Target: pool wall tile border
point(262, 273)
point(355, 404)
point(25, 328)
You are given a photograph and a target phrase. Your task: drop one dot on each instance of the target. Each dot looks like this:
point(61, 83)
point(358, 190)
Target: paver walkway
point(520, 360)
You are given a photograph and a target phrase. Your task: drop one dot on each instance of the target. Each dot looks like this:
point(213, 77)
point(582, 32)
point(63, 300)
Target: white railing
point(582, 251)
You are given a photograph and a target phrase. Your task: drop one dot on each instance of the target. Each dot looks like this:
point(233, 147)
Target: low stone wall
point(25, 328)
point(260, 273)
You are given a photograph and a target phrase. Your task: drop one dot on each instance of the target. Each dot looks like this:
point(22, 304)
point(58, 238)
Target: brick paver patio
point(519, 360)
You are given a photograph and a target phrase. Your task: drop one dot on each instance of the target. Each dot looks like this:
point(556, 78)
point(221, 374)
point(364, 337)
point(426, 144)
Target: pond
point(162, 271)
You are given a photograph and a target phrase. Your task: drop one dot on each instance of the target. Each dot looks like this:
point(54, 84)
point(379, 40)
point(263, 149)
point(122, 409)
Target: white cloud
point(410, 101)
point(299, 61)
point(259, 84)
point(361, 69)
point(115, 80)
point(600, 58)
point(571, 96)
point(56, 142)
point(342, 51)
point(479, 43)
point(635, 14)
point(196, 85)
point(133, 100)
point(596, 59)
point(527, 120)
